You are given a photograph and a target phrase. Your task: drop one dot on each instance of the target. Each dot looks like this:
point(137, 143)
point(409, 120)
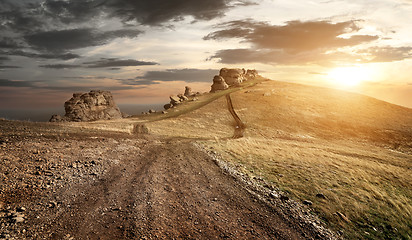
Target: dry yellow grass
point(355, 150)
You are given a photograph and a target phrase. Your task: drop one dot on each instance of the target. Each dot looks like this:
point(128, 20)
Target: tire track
point(240, 126)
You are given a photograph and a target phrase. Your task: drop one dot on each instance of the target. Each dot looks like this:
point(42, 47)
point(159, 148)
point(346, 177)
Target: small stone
point(307, 202)
point(320, 195)
point(52, 204)
point(20, 209)
point(284, 198)
point(342, 216)
point(273, 195)
point(18, 219)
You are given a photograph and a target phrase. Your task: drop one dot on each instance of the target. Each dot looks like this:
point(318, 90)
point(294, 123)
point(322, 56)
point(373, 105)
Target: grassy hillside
point(349, 154)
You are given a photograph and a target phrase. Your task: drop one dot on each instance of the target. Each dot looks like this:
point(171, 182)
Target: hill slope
point(352, 151)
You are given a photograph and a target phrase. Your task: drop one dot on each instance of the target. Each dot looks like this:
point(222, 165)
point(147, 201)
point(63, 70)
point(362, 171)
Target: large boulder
point(233, 76)
point(218, 84)
point(92, 106)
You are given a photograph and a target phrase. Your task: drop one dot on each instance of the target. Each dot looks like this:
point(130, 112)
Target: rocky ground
point(62, 184)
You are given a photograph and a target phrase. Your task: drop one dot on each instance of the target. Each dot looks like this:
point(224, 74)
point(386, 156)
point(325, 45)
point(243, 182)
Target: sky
point(143, 51)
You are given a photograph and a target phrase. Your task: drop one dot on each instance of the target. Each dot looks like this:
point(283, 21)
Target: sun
point(349, 76)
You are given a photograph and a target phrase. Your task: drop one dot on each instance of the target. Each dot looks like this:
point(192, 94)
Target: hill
point(342, 156)
point(348, 154)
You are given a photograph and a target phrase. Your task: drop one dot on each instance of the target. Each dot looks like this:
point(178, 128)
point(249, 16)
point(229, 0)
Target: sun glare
point(349, 76)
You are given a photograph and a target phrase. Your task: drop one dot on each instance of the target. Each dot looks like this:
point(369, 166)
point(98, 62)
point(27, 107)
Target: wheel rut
point(240, 126)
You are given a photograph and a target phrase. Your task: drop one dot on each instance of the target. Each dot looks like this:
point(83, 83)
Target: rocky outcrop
point(188, 92)
point(251, 74)
point(180, 98)
point(233, 76)
point(219, 84)
point(83, 107)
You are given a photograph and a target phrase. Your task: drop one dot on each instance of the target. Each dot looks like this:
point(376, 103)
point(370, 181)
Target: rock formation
point(232, 76)
point(180, 98)
point(95, 105)
point(188, 92)
point(218, 84)
point(251, 74)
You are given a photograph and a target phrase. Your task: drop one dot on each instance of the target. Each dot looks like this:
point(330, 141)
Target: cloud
point(63, 40)
point(296, 42)
point(8, 66)
point(157, 12)
point(8, 43)
point(44, 85)
point(61, 56)
point(112, 63)
point(238, 56)
point(10, 83)
point(51, 29)
point(387, 54)
point(294, 36)
point(60, 66)
point(189, 75)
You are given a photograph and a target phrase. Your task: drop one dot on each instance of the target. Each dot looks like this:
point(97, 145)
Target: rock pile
point(180, 98)
point(229, 77)
point(95, 105)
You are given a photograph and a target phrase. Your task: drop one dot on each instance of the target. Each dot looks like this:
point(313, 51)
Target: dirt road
point(171, 191)
point(88, 187)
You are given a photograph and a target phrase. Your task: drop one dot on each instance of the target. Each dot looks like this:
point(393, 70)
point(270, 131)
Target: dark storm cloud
point(63, 40)
point(187, 75)
point(44, 85)
point(60, 66)
point(2, 59)
point(20, 18)
point(49, 29)
point(294, 36)
point(297, 42)
point(8, 43)
point(156, 12)
point(73, 11)
point(11, 83)
point(61, 56)
point(8, 66)
point(112, 63)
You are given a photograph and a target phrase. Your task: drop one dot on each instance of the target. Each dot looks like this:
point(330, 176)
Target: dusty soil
point(62, 184)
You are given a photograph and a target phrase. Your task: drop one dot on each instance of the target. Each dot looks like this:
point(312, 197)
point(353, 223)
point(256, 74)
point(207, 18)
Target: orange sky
point(144, 51)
